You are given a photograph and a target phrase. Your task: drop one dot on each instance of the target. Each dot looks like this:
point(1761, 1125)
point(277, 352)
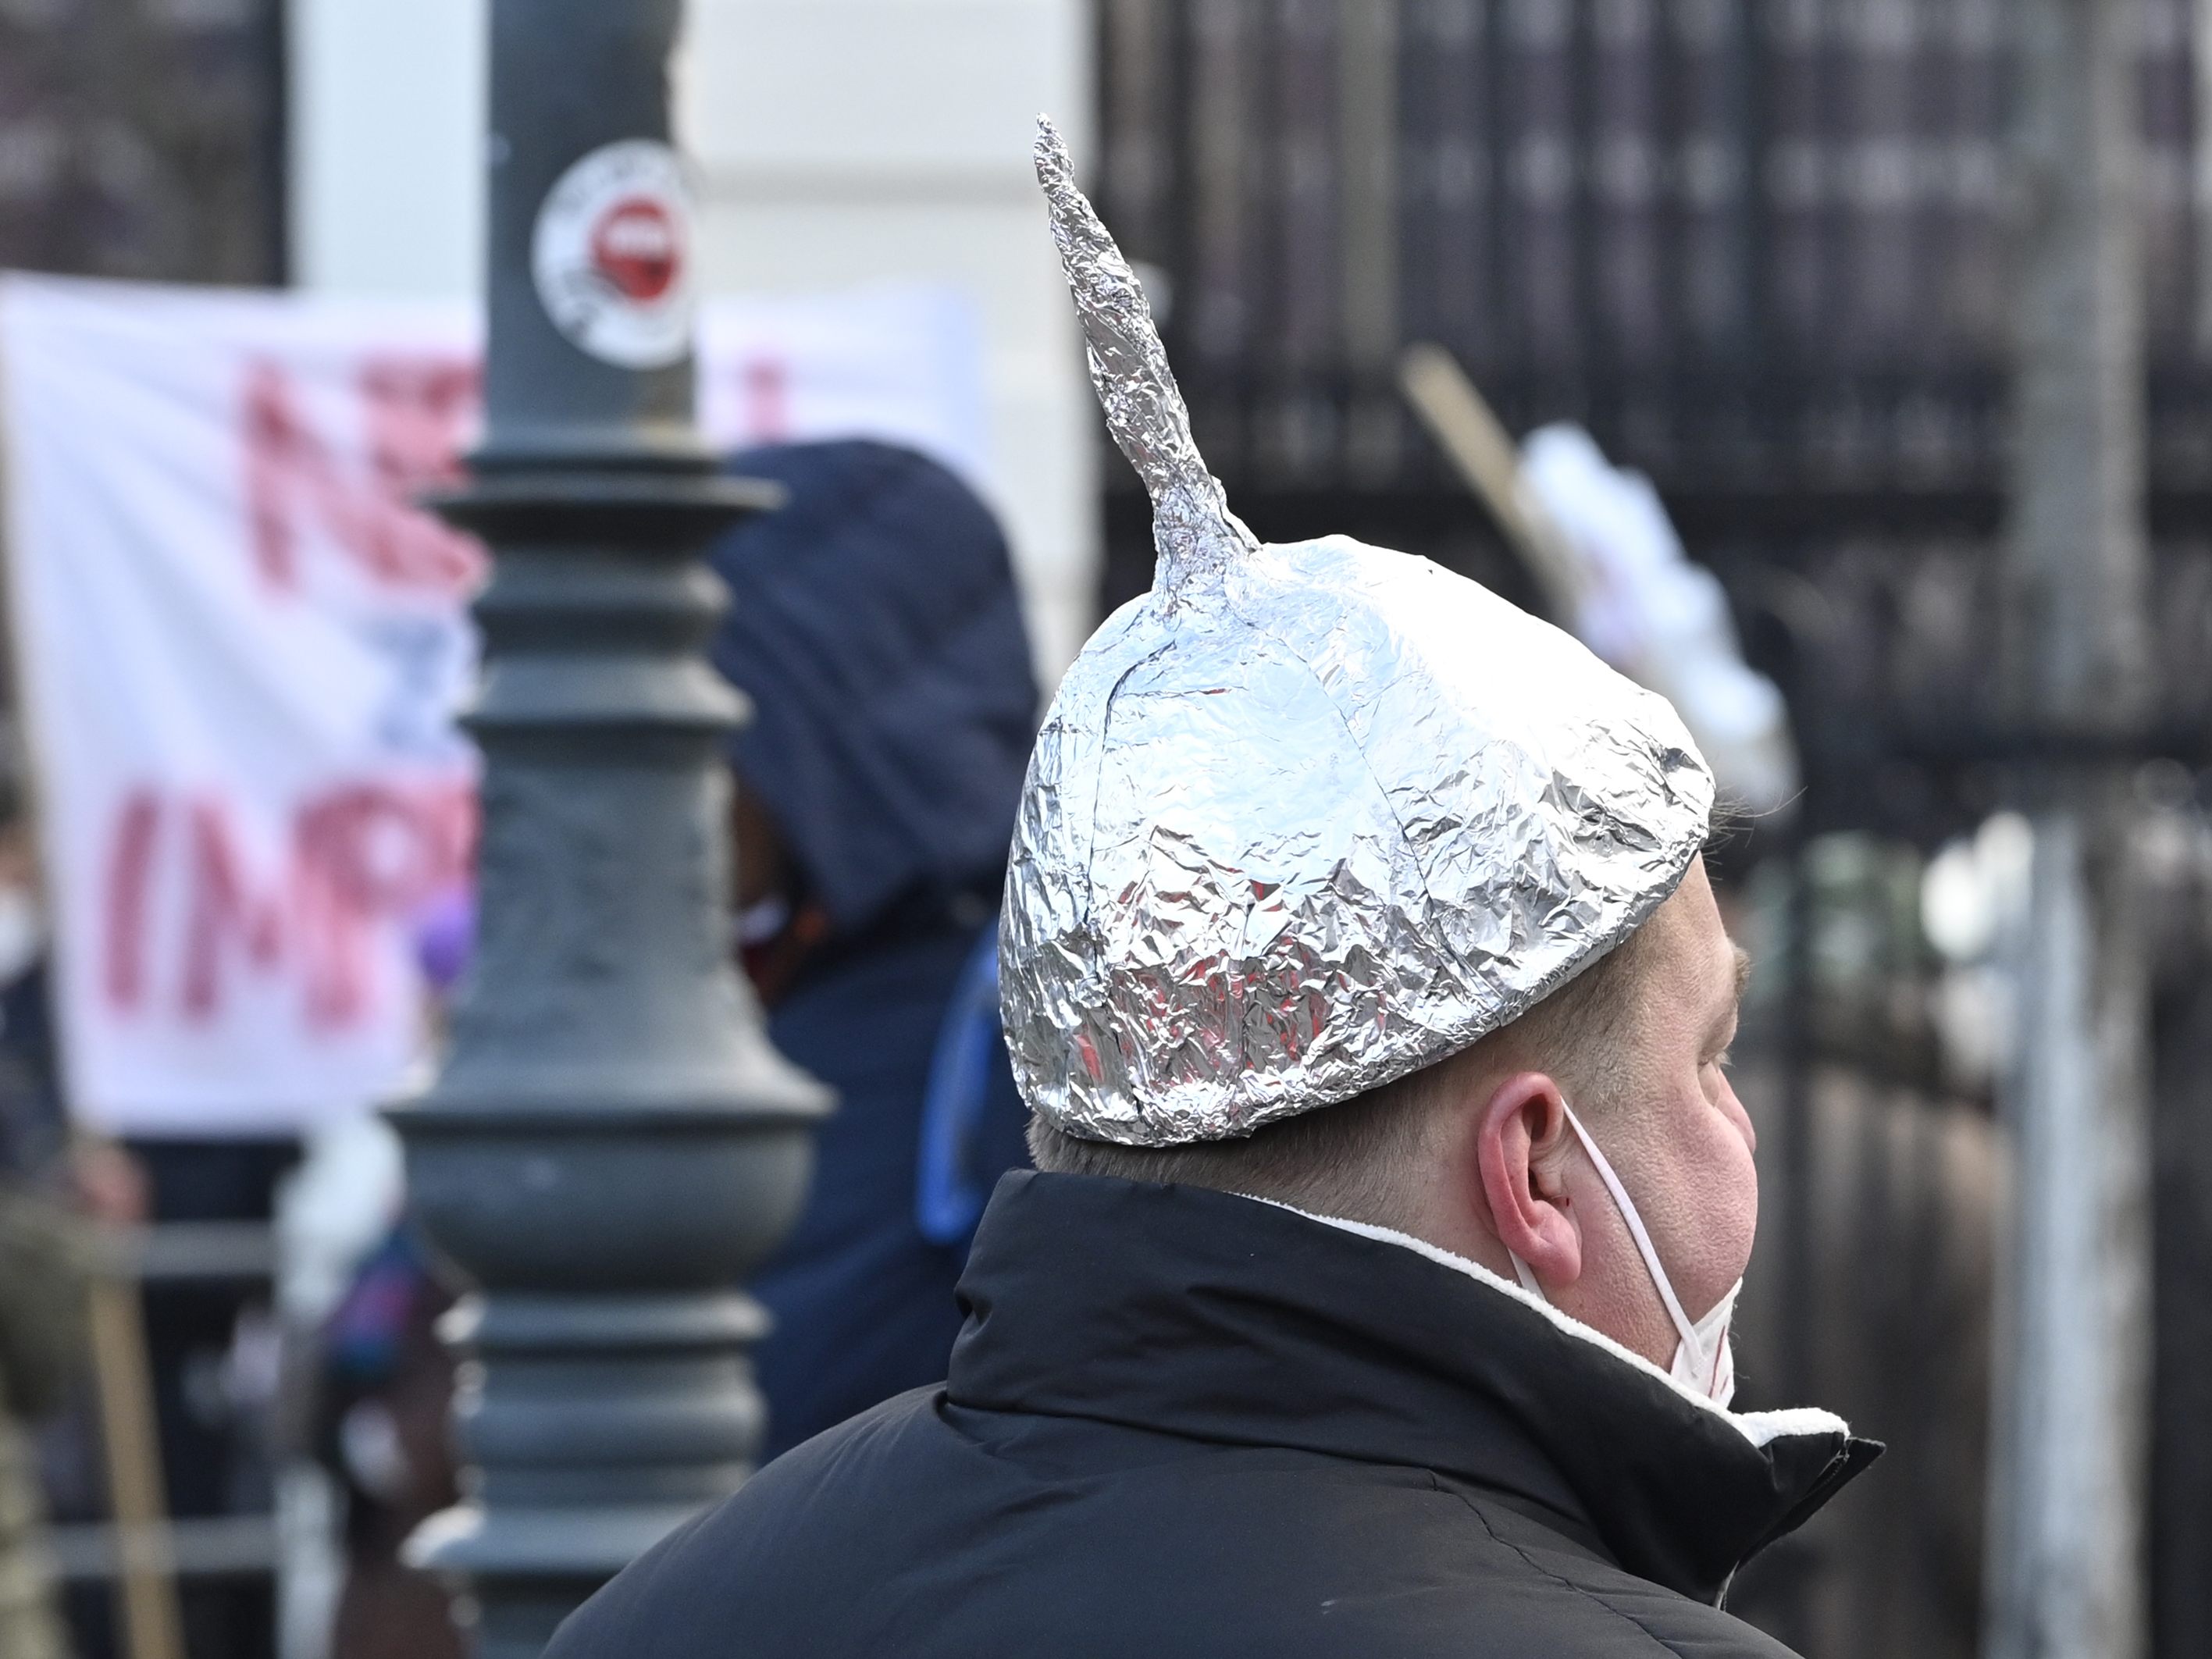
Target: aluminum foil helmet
point(1304, 818)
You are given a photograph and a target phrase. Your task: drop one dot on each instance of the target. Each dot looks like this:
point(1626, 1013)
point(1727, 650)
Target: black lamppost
point(611, 1145)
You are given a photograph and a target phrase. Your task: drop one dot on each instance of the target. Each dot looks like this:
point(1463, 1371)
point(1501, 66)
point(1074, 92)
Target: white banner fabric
point(239, 647)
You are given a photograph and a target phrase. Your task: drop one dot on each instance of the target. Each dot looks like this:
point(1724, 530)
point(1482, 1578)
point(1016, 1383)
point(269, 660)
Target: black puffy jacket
point(1181, 1425)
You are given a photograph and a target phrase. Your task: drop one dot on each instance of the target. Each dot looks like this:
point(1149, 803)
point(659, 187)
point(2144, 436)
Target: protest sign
point(239, 647)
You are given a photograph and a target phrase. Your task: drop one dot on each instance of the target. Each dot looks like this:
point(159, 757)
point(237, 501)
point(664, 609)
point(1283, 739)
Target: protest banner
point(240, 645)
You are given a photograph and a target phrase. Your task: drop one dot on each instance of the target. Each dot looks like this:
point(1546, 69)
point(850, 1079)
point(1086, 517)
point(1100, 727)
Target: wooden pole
point(146, 1575)
point(1486, 457)
point(2068, 1499)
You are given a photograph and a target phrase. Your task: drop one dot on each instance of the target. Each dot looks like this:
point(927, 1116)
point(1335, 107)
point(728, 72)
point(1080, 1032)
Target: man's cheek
point(1740, 1221)
point(1726, 1185)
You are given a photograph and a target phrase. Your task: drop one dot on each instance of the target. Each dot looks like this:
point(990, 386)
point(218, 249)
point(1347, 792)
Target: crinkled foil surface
point(1304, 818)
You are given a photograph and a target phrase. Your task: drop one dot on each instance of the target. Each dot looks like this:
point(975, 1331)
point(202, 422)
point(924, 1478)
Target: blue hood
point(879, 632)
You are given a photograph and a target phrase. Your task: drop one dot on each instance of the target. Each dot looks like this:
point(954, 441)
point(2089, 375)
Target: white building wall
point(843, 141)
point(838, 142)
point(384, 183)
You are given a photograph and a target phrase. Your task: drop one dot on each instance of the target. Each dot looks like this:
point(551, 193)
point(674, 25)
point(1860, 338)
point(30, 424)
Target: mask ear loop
point(1527, 1275)
point(1689, 1332)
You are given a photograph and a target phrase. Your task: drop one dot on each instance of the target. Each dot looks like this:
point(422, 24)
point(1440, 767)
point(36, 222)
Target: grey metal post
point(611, 1144)
point(2067, 1514)
point(2200, 41)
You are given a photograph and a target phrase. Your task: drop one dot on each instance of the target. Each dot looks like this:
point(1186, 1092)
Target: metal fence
point(1759, 248)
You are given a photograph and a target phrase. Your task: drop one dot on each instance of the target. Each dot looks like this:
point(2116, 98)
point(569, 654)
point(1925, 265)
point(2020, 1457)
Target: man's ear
point(1522, 1150)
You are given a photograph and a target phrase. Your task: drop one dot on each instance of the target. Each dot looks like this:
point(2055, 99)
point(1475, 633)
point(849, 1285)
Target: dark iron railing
point(1745, 240)
point(1761, 249)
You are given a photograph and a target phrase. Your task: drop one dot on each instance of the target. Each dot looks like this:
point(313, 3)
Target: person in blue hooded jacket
point(878, 631)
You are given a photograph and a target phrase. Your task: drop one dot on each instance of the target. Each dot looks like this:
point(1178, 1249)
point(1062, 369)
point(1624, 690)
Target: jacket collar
point(1221, 1318)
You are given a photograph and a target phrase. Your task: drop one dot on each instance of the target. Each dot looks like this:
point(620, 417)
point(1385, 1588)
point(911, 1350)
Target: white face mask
point(1703, 1361)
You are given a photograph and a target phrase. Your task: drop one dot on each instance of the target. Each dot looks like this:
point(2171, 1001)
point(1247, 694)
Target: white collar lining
point(1760, 1428)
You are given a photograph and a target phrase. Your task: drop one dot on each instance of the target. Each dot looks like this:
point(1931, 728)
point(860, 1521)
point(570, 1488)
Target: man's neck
point(1496, 1280)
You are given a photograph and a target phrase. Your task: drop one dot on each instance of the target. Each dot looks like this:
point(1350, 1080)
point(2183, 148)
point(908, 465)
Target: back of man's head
point(1362, 1159)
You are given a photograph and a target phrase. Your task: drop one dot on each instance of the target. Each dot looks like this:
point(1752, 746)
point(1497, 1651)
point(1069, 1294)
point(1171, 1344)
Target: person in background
point(377, 1389)
point(53, 1185)
point(42, 1304)
point(382, 1425)
point(877, 629)
point(44, 1263)
point(878, 632)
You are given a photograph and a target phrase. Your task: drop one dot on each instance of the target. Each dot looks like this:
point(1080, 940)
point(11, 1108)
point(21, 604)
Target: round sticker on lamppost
point(612, 255)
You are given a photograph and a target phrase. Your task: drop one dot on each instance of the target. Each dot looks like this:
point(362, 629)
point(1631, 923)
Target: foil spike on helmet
point(1192, 526)
point(1304, 818)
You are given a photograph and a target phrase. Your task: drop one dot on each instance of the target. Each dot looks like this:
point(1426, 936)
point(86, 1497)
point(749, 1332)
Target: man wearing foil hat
point(1371, 1297)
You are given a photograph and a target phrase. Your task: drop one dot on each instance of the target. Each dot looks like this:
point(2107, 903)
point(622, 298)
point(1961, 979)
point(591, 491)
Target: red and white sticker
point(612, 255)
